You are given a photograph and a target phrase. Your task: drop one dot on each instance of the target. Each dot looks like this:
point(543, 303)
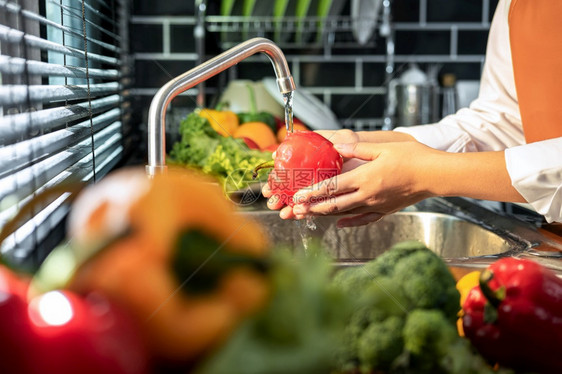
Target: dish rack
point(303, 36)
point(297, 32)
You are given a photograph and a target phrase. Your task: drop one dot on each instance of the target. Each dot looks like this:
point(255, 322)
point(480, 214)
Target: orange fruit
point(282, 132)
point(259, 132)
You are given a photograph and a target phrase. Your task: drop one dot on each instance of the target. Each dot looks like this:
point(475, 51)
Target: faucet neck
point(200, 73)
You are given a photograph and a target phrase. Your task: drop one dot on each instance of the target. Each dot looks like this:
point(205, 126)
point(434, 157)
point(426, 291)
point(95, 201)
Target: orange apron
point(535, 33)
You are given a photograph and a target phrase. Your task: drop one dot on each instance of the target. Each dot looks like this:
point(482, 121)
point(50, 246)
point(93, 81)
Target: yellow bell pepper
point(185, 264)
point(224, 122)
point(464, 285)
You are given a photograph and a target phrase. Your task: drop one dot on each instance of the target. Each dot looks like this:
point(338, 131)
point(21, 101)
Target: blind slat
point(18, 126)
point(77, 13)
point(16, 65)
point(28, 152)
point(15, 8)
point(20, 94)
point(99, 14)
point(27, 181)
point(14, 36)
point(103, 4)
point(50, 214)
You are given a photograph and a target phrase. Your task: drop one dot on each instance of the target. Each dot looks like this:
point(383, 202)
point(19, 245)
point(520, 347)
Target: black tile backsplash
point(164, 7)
point(327, 74)
point(492, 9)
point(423, 42)
point(472, 42)
point(146, 38)
point(358, 106)
point(373, 74)
point(254, 70)
point(155, 73)
point(462, 70)
point(406, 10)
point(182, 39)
point(454, 10)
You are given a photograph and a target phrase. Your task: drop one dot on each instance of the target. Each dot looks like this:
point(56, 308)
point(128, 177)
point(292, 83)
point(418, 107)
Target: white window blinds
point(64, 77)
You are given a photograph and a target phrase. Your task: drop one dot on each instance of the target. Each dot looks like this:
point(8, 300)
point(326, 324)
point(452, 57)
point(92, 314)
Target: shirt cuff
point(441, 136)
point(536, 173)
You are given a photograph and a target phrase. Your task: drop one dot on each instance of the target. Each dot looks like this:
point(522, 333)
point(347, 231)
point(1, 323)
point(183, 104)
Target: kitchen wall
point(349, 78)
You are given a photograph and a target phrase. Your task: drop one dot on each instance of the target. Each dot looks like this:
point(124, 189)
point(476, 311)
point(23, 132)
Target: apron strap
point(535, 32)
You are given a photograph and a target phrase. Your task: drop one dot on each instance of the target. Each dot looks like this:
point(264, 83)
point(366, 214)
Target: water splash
point(304, 228)
point(288, 99)
point(310, 223)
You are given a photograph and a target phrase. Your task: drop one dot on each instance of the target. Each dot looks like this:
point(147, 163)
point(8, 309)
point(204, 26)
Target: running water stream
point(288, 99)
point(303, 226)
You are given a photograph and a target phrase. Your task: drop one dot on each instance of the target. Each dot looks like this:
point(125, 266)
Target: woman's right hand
point(346, 136)
point(340, 136)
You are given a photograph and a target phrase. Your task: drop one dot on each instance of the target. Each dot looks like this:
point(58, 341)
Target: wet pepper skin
point(303, 159)
point(514, 317)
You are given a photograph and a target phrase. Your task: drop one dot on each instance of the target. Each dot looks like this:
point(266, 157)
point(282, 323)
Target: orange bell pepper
point(187, 266)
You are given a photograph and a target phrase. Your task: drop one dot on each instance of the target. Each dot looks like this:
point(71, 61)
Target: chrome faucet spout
point(200, 73)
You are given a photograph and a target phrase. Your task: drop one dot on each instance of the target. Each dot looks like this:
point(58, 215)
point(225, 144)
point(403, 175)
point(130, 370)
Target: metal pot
point(412, 98)
point(416, 104)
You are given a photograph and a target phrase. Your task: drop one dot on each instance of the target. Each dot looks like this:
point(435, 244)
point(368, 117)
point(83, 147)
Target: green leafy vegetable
point(201, 147)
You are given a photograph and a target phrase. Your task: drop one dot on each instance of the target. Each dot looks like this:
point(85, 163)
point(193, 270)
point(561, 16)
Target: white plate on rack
point(306, 107)
point(364, 15)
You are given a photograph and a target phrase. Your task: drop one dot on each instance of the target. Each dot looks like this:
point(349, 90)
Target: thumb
point(362, 151)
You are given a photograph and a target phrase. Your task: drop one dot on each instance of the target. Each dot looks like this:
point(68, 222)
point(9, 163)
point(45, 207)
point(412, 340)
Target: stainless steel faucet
point(200, 73)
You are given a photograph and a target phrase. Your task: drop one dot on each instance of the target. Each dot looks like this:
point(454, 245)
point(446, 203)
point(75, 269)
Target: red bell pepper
point(64, 333)
point(17, 343)
point(304, 158)
point(514, 317)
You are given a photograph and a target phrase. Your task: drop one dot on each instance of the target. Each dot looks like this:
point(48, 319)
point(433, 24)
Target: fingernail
point(338, 146)
point(341, 147)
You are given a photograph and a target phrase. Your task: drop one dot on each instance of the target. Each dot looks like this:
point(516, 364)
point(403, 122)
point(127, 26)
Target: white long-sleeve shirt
point(493, 123)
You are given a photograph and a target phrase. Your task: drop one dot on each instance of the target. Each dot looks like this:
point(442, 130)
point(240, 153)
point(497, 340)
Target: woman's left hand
point(391, 179)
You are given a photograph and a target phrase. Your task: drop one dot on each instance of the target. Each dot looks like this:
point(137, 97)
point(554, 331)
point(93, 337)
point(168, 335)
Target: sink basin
point(447, 235)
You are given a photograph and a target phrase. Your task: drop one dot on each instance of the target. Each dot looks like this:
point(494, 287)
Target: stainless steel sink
point(447, 235)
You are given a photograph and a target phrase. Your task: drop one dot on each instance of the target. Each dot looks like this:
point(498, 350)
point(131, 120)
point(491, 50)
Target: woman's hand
point(391, 179)
point(382, 178)
point(338, 137)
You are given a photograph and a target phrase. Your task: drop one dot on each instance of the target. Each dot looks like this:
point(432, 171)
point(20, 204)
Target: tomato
point(303, 159)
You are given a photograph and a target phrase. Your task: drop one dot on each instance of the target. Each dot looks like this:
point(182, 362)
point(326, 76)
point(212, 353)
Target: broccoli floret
point(433, 346)
point(379, 300)
point(427, 283)
point(427, 336)
point(352, 280)
point(357, 323)
point(407, 281)
point(380, 344)
point(386, 262)
point(428, 332)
